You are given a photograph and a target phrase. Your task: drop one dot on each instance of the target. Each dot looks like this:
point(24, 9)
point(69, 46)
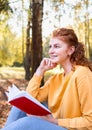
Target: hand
point(50, 119)
point(46, 64)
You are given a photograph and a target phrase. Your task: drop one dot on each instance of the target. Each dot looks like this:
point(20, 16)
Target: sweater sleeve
point(85, 97)
point(33, 88)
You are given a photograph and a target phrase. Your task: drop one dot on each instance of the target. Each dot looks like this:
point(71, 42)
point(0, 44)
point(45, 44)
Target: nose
point(51, 50)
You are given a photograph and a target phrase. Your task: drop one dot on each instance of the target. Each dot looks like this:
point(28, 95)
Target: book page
point(15, 93)
point(12, 92)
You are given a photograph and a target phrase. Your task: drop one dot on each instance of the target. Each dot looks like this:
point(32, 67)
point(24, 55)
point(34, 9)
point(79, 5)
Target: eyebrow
point(55, 43)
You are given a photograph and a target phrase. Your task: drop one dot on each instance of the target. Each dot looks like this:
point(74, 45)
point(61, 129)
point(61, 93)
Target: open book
point(25, 102)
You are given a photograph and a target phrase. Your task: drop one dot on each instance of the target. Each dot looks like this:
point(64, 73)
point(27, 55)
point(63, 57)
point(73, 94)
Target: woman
point(68, 93)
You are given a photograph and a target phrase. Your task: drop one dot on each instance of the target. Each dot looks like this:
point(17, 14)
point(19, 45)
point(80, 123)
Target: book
point(24, 101)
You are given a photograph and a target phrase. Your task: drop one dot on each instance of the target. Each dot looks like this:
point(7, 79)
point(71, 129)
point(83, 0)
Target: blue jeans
point(17, 120)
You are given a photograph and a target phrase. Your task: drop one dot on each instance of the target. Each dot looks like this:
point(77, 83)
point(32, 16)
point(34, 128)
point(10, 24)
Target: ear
point(71, 50)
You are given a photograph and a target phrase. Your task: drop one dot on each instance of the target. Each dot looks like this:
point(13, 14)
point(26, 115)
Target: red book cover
point(25, 102)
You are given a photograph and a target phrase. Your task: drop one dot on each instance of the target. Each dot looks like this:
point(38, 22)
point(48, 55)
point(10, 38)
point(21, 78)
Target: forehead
point(57, 41)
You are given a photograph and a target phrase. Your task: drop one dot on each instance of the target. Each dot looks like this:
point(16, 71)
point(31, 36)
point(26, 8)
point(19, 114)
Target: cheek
point(62, 52)
point(66, 52)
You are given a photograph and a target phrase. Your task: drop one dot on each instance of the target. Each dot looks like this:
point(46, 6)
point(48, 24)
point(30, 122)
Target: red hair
point(69, 36)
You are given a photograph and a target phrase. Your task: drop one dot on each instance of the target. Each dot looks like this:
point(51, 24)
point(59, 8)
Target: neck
point(67, 68)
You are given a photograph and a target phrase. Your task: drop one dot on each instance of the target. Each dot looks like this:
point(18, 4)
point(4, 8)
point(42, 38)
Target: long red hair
point(69, 36)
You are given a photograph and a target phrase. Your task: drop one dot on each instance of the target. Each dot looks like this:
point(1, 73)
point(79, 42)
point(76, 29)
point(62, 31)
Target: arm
point(45, 65)
point(34, 88)
point(84, 121)
point(84, 88)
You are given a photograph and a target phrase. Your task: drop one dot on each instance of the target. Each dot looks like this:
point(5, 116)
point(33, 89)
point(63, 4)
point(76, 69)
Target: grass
point(12, 72)
point(19, 72)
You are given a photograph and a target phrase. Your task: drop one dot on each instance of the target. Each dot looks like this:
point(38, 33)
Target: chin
point(56, 62)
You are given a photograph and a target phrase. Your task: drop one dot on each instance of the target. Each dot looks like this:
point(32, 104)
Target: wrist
point(40, 72)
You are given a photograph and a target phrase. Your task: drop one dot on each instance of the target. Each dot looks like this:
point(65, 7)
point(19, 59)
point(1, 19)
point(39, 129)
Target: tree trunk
point(36, 46)
point(86, 29)
point(27, 58)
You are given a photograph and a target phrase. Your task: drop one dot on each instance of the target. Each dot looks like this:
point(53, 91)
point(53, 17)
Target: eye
point(49, 46)
point(57, 46)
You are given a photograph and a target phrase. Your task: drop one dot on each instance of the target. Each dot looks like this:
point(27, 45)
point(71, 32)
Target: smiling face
point(59, 51)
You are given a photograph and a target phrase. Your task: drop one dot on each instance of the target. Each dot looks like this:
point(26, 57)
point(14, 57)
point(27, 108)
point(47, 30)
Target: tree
point(87, 29)
point(36, 47)
point(4, 6)
point(27, 58)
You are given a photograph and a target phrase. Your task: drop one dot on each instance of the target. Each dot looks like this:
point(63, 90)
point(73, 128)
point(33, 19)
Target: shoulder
point(82, 72)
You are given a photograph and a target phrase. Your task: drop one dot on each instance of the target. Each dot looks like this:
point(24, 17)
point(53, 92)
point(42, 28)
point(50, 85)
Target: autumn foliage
point(4, 105)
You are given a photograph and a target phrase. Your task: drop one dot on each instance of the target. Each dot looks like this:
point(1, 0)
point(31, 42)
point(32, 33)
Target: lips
point(53, 57)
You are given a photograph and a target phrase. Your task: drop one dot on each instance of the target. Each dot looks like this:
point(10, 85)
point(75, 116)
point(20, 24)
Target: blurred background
point(25, 30)
point(26, 26)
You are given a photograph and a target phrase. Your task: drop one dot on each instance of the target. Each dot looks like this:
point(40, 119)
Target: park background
point(25, 30)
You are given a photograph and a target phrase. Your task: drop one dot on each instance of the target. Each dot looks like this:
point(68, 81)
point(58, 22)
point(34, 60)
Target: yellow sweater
point(69, 98)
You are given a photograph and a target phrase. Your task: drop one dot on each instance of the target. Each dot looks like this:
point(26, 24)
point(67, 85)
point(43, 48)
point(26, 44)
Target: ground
point(4, 105)
point(9, 76)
